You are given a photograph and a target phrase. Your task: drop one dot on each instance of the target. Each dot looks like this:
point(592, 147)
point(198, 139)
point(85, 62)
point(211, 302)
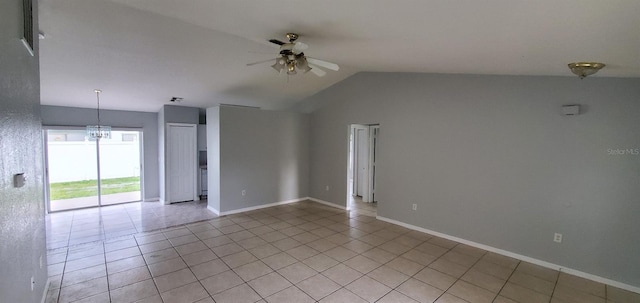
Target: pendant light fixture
point(98, 131)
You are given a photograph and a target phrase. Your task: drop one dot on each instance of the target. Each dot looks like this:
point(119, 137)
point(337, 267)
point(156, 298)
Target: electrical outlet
point(326, 188)
point(415, 206)
point(41, 264)
point(557, 237)
point(244, 192)
point(33, 283)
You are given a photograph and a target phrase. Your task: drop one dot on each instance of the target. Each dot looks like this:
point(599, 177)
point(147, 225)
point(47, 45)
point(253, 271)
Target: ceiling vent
point(176, 99)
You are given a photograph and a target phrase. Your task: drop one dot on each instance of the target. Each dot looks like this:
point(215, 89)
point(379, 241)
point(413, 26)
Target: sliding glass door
point(83, 172)
point(120, 168)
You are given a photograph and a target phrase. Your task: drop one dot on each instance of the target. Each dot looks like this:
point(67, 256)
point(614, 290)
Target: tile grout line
point(148, 269)
point(106, 270)
point(555, 286)
point(507, 281)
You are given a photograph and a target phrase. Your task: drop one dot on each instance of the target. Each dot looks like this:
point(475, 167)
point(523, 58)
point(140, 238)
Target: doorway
point(361, 176)
point(83, 172)
point(181, 162)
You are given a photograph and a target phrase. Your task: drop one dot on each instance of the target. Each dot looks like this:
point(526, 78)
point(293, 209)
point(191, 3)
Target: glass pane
point(73, 176)
point(120, 167)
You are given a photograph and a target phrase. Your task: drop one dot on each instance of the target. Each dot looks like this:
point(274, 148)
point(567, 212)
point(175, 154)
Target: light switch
point(19, 179)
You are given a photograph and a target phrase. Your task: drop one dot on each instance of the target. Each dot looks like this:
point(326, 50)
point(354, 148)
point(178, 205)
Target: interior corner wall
point(265, 153)
point(491, 159)
point(148, 122)
point(22, 210)
point(213, 158)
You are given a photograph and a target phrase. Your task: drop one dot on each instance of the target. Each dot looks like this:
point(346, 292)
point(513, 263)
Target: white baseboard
point(215, 211)
point(46, 290)
point(517, 256)
point(241, 210)
point(328, 203)
point(156, 199)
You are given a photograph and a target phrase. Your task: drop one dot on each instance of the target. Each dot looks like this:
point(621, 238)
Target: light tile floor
point(301, 252)
point(363, 208)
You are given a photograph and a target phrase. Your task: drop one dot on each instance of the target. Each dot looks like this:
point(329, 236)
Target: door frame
point(167, 168)
point(352, 171)
point(374, 131)
point(354, 162)
point(45, 159)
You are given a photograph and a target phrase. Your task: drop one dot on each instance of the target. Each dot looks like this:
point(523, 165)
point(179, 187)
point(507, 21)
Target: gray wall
point(491, 159)
point(264, 153)
point(171, 114)
point(22, 226)
point(181, 114)
point(148, 122)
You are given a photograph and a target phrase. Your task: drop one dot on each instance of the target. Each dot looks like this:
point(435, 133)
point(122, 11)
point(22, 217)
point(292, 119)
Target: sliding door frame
point(46, 185)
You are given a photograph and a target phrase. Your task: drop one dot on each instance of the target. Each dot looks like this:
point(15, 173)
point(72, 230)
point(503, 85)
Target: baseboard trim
point(328, 203)
point(156, 199)
point(46, 290)
point(215, 211)
point(241, 210)
point(517, 256)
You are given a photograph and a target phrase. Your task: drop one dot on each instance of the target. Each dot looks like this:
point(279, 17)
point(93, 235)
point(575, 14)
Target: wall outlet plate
point(557, 237)
point(19, 180)
point(415, 206)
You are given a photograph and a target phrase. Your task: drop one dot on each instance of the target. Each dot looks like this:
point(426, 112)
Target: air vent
point(176, 99)
point(27, 19)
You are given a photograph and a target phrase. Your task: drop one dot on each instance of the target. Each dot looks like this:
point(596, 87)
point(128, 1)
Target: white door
point(181, 162)
point(362, 161)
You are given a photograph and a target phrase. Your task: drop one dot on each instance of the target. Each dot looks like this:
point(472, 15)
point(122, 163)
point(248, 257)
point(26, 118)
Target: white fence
point(76, 161)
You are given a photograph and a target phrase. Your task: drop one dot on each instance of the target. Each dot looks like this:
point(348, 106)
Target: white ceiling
point(143, 52)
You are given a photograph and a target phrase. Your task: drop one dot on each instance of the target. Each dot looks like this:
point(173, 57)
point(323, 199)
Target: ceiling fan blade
point(317, 71)
point(322, 63)
point(276, 41)
point(299, 47)
point(261, 61)
point(260, 52)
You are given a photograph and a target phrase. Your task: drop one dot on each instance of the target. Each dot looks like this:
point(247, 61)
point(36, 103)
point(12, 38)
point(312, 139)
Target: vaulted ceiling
point(143, 52)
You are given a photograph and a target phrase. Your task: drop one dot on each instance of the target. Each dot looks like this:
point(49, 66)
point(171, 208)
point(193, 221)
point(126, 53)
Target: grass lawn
point(88, 188)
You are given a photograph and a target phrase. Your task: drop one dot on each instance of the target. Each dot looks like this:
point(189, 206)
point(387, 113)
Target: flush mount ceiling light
point(583, 69)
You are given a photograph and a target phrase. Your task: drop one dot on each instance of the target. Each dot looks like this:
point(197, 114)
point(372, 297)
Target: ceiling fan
point(292, 59)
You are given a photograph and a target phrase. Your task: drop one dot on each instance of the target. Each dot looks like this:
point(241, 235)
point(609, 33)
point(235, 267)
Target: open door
point(374, 130)
point(362, 161)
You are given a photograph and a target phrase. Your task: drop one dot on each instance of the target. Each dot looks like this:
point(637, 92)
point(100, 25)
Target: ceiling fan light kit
point(584, 69)
point(292, 59)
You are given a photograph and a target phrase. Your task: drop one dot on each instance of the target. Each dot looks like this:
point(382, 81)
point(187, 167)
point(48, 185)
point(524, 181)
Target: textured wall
point(491, 159)
point(22, 226)
point(148, 122)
